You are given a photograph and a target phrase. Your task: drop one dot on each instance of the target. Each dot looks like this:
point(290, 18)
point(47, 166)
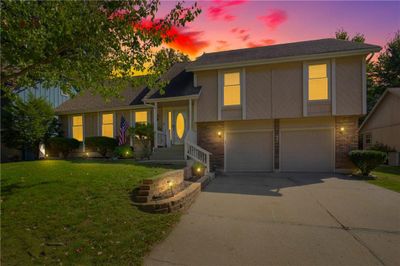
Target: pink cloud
point(274, 18)
point(222, 45)
point(245, 37)
point(264, 42)
point(242, 34)
point(219, 9)
point(188, 42)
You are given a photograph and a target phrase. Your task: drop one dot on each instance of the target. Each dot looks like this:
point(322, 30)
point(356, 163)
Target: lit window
point(107, 127)
point(141, 117)
point(318, 82)
point(231, 89)
point(77, 127)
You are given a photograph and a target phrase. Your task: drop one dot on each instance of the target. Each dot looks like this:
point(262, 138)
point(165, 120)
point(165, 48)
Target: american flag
point(122, 131)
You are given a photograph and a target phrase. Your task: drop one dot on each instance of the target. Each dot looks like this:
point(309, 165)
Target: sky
point(227, 25)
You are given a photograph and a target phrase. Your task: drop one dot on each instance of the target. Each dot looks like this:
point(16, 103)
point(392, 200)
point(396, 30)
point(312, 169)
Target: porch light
point(342, 129)
point(219, 134)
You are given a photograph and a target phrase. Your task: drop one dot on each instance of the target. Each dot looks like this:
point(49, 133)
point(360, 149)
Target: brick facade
point(346, 139)
point(207, 138)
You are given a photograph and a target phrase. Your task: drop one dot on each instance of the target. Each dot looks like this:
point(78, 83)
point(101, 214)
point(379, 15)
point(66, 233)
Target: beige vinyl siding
point(319, 108)
point(258, 92)
point(287, 90)
point(90, 124)
point(208, 101)
point(384, 123)
point(307, 122)
point(231, 113)
point(249, 125)
point(349, 85)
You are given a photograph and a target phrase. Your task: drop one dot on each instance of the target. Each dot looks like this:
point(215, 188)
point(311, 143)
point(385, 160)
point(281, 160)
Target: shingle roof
point(88, 102)
point(180, 84)
point(295, 49)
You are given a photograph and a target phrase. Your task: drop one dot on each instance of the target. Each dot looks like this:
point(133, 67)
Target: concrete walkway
point(286, 219)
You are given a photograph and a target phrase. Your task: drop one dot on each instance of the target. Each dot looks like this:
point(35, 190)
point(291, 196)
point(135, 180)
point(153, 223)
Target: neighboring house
point(382, 125)
point(287, 107)
point(55, 96)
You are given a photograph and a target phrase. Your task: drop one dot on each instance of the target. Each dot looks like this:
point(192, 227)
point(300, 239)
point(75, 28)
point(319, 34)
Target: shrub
point(367, 160)
point(124, 151)
point(62, 145)
point(102, 145)
point(198, 169)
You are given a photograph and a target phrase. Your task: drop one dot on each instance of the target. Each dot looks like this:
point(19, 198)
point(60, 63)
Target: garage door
point(307, 150)
point(248, 151)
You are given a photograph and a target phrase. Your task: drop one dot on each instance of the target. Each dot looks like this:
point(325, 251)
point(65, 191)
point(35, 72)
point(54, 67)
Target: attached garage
point(247, 151)
point(307, 150)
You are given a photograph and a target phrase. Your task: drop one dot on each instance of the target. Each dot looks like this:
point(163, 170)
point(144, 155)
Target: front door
point(178, 124)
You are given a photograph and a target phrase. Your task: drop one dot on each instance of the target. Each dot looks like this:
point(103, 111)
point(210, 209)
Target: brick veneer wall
point(345, 141)
point(207, 138)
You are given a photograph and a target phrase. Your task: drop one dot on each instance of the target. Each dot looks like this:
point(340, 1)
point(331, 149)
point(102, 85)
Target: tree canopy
point(82, 44)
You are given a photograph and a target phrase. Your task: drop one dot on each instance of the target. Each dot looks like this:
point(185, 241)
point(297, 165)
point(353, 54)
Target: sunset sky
point(226, 25)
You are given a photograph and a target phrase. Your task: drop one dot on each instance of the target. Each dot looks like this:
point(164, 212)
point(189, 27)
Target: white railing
point(198, 154)
point(161, 139)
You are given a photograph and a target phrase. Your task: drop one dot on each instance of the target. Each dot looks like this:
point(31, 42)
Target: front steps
point(173, 153)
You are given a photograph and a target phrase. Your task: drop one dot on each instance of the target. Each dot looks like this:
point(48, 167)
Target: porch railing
point(198, 154)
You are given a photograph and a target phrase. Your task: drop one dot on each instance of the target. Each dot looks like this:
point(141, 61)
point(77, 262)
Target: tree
point(26, 124)
point(166, 58)
point(388, 64)
point(83, 45)
point(341, 34)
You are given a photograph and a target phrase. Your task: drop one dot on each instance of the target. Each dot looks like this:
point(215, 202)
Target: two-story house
point(286, 107)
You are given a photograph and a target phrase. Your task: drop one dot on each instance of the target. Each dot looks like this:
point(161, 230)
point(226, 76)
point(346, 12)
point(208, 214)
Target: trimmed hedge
point(367, 160)
point(102, 145)
point(62, 145)
point(124, 151)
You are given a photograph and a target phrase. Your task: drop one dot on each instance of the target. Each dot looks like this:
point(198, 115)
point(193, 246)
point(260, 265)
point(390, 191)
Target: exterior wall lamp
point(219, 134)
point(342, 129)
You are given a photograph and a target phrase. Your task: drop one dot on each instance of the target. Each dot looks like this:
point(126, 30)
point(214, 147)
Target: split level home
point(286, 107)
point(382, 125)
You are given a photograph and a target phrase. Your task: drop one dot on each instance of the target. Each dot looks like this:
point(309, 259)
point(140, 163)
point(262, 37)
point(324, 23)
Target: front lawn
point(76, 212)
point(387, 177)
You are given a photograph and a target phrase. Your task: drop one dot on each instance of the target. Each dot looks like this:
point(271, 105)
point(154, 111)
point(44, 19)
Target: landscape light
point(198, 169)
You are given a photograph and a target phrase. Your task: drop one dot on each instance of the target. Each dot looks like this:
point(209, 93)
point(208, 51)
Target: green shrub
point(198, 169)
point(367, 160)
point(124, 151)
point(62, 145)
point(102, 145)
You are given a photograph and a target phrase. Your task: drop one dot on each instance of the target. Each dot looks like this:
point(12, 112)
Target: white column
point(155, 125)
point(190, 115)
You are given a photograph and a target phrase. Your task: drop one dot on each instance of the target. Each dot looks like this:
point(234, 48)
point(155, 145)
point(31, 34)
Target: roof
point(89, 102)
point(389, 91)
point(180, 84)
point(279, 51)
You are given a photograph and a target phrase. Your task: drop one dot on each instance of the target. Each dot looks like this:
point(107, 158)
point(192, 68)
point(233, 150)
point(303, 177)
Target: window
point(318, 82)
point(141, 117)
point(368, 140)
point(231, 89)
point(77, 127)
point(107, 127)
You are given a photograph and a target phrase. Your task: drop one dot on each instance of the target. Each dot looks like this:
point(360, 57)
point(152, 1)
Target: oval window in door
point(180, 125)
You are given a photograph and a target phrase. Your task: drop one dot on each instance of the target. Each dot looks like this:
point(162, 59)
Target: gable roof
point(293, 50)
point(388, 91)
point(180, 84)
point(89, 102)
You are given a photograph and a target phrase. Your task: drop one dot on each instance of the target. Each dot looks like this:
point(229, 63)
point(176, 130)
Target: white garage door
point(248, 151)
point(307, 150)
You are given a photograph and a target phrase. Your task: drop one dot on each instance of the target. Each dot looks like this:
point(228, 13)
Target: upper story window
point(318, 82)
point(231, 88)
point(77, 127)
point(107, 126)
point(141, 117)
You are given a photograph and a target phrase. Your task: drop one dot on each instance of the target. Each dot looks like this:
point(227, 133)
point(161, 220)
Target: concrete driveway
point(286, 219)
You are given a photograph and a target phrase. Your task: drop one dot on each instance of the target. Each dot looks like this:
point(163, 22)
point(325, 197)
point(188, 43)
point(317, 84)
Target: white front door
point(178, 125)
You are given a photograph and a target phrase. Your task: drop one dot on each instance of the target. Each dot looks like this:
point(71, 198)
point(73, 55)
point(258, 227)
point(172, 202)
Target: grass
point(76, 212)
point(387, 177)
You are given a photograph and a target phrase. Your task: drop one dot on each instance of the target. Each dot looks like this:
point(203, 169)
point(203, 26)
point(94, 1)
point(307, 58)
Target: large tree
point(92, 45)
